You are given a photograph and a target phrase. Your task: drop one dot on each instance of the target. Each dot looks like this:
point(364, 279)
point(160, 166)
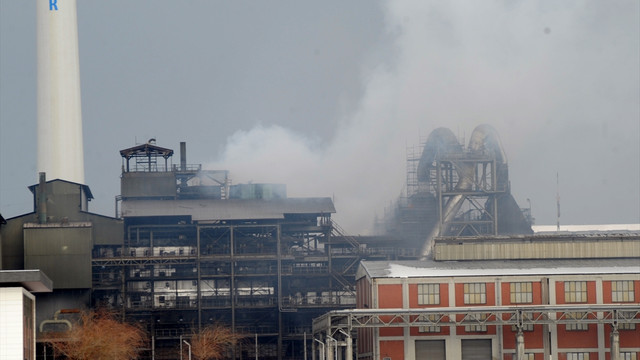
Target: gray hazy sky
point(326, 96)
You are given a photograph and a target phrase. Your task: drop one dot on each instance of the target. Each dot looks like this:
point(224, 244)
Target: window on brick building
point(628, 356)
point(475, 293)
point(527, 356)
point(521, 292)
point(577, 356)
point(624, 325)
point(527, 324)
point(622, 291)
point(434, 318)
point(575, 291)
point(577, 326)
point(525, 327)
point(480, 327)
point(428, 294)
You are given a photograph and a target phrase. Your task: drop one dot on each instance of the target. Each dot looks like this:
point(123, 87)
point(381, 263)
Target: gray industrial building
point(188, 249)
point(57, 238)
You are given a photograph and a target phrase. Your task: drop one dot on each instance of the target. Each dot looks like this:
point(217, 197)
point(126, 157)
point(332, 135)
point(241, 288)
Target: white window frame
point(428, 294)
point(430, 328)
point(622, 291)
point(475, 293)
point(575, 292)
point(478, 327)
point(521, 292)
point(578, 356)
point(577, 326)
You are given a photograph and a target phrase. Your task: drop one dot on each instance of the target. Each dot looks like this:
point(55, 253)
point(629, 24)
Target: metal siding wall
point(537, 250)
point(63, 200)
point(12, 243)
point(11, 323)
point(107, 231)
point(140, 184)
point(63, 253)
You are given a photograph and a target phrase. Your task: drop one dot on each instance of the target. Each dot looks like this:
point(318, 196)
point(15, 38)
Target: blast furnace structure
point(457, 191)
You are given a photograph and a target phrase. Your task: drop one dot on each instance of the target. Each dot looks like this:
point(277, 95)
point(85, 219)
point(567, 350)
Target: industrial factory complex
point(454, 270)
point(188, 249)
point(485, 286)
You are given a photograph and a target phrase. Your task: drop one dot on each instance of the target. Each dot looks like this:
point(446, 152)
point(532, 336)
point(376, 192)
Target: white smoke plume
point(536, 71)
point(343, 170)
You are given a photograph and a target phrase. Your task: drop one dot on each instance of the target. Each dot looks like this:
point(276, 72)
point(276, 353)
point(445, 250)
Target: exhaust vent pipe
point(183, 156)
point(42, 198)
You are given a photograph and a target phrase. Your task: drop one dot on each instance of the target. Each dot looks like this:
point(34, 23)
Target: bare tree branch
point(213, 342)
point(98, 336)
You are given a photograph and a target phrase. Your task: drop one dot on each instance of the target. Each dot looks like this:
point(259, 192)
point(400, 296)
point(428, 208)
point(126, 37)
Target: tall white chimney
point(60, 152)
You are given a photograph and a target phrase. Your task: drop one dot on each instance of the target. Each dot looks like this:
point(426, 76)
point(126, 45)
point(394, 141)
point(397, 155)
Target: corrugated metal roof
point(430, 268)
point(543, 236)
point(635, 228)
point(84, 187)
point(146, 150)
point(232, 209)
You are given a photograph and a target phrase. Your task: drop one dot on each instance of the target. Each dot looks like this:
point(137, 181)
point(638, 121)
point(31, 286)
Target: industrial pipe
point(42, 198)
point(59, 321)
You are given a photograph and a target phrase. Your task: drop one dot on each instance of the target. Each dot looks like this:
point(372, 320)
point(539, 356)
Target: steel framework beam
point(333, 322)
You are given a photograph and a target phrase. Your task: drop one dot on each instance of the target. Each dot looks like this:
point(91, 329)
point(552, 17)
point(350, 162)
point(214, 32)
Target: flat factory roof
point(587, 228)
point(231, 209)
point(431, 268)
point(32, 280)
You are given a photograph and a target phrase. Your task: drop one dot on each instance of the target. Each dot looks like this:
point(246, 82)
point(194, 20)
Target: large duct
point(60, 152)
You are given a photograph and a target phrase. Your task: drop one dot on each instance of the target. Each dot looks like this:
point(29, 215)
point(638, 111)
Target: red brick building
point(565, 309)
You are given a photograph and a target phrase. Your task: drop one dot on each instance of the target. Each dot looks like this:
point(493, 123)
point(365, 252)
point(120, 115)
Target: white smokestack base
point(60, 151)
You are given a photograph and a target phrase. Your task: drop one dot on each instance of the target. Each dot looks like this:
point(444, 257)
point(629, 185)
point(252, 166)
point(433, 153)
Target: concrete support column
point(349, 345)
point(615, 345)
point(331, 343)
point(314, 347)
point(519, 345)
